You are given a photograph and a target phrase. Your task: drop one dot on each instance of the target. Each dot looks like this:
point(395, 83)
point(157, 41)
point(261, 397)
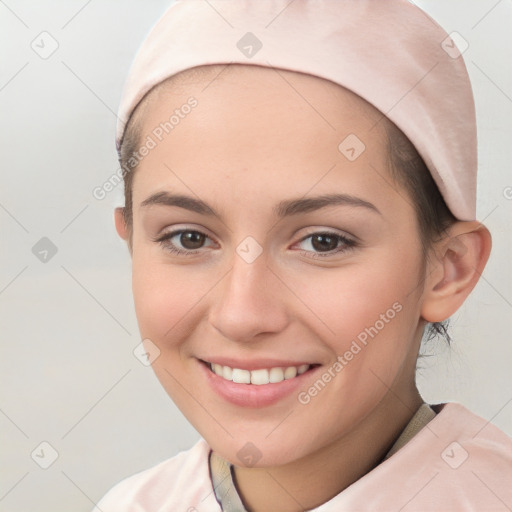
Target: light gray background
point(69, 376)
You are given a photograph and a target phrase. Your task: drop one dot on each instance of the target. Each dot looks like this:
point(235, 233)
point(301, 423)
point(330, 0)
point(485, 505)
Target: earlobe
point(454, 271)
point(120, 223)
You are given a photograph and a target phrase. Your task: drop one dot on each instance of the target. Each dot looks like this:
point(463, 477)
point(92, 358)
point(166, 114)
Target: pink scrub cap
point(389, 52)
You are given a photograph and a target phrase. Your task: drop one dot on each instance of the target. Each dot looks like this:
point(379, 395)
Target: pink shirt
point(459, 461)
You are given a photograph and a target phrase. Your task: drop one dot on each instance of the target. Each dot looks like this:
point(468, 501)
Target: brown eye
point(192, 239)
point(185, 242)
point(324, 242)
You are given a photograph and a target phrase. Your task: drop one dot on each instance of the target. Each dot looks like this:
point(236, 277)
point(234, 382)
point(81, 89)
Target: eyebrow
point(282, 209)
point(182, 201)
point(304, 205)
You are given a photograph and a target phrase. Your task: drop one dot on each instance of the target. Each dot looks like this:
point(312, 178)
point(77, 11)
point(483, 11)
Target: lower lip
point(251, 395)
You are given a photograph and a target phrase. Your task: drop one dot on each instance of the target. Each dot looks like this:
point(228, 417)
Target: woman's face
point(268, 234)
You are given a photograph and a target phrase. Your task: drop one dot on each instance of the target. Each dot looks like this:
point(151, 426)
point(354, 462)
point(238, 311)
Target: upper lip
point(255, 364)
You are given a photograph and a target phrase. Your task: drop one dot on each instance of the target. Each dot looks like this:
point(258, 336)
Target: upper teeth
point(258, 377)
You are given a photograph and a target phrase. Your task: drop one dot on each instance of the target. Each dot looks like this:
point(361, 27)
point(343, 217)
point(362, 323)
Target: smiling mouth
point(260, 376)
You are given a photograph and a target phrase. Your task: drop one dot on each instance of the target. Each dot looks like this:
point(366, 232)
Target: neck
point(308, 482)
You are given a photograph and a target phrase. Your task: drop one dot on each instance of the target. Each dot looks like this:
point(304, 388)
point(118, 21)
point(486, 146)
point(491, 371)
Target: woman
point(300, 208)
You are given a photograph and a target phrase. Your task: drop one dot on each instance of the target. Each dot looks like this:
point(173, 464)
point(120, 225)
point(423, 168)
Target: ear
point(454, 269)
point(120, 223)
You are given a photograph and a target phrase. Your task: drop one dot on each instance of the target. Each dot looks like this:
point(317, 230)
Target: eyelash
point(165, 241)
point(346, 243)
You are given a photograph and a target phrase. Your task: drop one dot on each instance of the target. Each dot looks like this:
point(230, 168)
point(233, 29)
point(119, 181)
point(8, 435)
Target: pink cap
point(389, 52)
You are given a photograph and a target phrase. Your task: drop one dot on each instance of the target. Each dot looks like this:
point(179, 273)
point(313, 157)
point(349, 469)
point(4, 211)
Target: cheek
point(367, 311)
point(371, 322)
point(357, 293)
point(167, 298)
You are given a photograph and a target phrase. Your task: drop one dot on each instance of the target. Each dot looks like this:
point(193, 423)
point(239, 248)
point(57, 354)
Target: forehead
point(262, 129)
point(256, 96)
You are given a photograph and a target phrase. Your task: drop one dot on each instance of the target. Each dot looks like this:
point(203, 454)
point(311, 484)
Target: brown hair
point(409, 170)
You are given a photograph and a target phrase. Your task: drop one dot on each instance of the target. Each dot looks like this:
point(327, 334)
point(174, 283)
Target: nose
point(249, 302)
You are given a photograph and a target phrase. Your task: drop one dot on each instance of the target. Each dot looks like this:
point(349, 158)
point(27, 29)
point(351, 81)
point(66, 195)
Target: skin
point(251, 143)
